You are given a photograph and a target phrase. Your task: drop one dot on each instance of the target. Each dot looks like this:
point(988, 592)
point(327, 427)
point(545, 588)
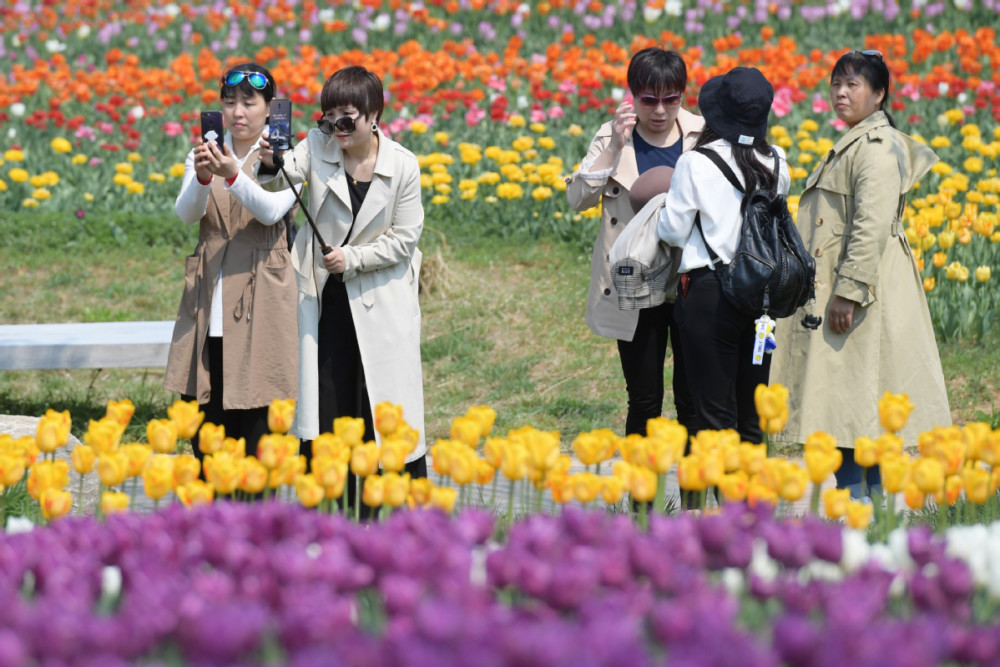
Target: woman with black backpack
point(703, 215)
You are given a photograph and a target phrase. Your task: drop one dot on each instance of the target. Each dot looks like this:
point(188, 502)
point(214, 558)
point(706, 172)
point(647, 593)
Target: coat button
point(615, 190)
point(614, 221)
point(819, 222)
point(819, 252)
point(607, 291)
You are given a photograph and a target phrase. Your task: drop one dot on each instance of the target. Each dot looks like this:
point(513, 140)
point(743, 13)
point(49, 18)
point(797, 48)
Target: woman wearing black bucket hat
point(717, 341)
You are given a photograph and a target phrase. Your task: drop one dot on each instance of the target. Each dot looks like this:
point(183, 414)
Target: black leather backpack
point(771, 272)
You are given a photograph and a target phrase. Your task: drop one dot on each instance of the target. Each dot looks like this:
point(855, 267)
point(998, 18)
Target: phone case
point(280, 136)
point(211, 127)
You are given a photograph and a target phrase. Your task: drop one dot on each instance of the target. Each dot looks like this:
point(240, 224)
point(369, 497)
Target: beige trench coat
point(259, 339)
point(610, 188)
point(381, 275)
point(850, 217)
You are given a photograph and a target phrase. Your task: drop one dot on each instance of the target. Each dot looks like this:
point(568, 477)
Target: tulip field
point(526, 548)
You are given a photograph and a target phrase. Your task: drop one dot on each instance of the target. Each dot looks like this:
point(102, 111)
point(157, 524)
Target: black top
point(358, 190)
point(648, 156)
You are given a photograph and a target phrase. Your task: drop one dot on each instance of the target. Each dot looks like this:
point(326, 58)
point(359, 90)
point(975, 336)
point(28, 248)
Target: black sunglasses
point(344, 124)
point(870, 52)
point(255, 79)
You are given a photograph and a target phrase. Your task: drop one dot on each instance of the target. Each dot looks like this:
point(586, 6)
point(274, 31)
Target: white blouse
point(698, 185)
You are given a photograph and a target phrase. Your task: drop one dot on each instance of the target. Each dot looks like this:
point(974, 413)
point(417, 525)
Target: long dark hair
point(756, 176)
point(870, 66)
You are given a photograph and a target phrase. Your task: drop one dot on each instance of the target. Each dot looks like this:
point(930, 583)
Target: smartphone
point(280, 136)
point(211, 128)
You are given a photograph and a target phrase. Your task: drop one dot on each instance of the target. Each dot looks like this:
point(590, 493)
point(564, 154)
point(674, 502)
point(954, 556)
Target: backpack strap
point(726, 170)
point(711, 253)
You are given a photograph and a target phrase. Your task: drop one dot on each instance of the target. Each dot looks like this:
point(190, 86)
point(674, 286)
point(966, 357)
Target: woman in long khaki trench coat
point(652, 131)
point(377, 260)
point(876, 335)
point(235, 347)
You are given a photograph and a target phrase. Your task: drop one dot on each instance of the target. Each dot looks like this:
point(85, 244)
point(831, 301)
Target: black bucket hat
point(736, 105)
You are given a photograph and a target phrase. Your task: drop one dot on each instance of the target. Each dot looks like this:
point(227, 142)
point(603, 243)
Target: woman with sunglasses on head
point(232, 349)
point(876, 334)
point(358, 315)
point(648, 130)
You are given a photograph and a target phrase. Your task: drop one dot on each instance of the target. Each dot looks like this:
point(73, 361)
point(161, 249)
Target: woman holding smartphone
point(232, 348)
point(358, 315)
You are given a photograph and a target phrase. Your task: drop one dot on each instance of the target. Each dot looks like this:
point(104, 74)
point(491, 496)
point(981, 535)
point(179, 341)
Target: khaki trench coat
point(259, 339)
point(610, 188)
point(381, 275)
point(850, 217)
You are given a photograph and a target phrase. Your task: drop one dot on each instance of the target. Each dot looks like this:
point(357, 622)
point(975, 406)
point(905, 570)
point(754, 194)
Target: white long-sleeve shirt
point(698, 185)
point(266, 207)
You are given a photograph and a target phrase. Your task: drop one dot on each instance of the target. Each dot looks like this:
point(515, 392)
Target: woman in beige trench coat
point(649, 131)
point(364, 195)
point(876, 335)
point(233, 349)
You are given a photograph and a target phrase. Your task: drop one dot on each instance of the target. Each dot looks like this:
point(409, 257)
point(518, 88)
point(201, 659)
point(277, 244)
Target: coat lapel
point(378, 192)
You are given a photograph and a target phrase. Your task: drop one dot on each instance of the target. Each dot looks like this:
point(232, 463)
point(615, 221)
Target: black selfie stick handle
point(279, 162)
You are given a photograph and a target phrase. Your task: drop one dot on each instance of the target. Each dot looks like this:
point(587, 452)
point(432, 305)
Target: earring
point(374, 127)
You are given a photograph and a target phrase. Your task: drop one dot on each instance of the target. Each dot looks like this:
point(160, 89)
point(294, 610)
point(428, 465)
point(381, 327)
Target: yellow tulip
point(835, 502)
point(752, 457)
point(951, 454)
point(280, 414)
point(120, 411)
point(691, 473)
point(514, 464)
point(211, 437)
point(466, 430)
point(642, 484)
point(52, 431)
point(889, 444)
point(928, 475)
point(393, 454)
point(612, 490)
point(349, 429)
point(186, 416)
point(820, 441)
point(713, 467)
point(388, 417)
point(83, 457)
point(982, 273)
point(586, 486)
point(493, 450)
point(794, 483)
point(772, 407)
point(158, 476)
point(252, 475)
point(895, 472)
point(331, 474)
point(859, 515)
point(865, 452)
point(978, 437)
point(659, 455)
point(274, 449)
point(196, 492)
point(443, 498)
point(395, 489)
point(561, 487)
point(485, 415)
point(236, 447)
point(308, 490)
point(952, 490)
point(222, 472)
point(894, 410)
point(328, 444)
point(55, 503)
point(136, 456)
point(103, 435)
point(822, 463)
point(758, 493)
point(669, 430)
point(186, 470)
point(43, 475)
point(484, 472)
point(929, 284)
point(977, 485)
point(291, 467)
point(114, 502)
point(420, 492)
point(940, 259)
point(364, 459)
point(913, 496)
point(162, 435)
point(734, 486)
point(462, 467)
point(706, 441)
point(633, 447)
point(61, 145)
point(946, 239)
point(112, 468)
point(543, 449)
point(374, 491)
point(12, 470)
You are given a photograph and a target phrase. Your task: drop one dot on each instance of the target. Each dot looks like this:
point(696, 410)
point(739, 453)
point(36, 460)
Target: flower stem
point(814, 501)
point(644, 516)
point(659, 501)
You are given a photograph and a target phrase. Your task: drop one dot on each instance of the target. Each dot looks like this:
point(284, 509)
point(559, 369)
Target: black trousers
point(717, 344)
point(642, 361)
point(247, 424)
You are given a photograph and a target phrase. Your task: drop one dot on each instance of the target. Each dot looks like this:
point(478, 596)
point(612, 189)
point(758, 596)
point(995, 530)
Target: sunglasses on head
point(653, 101)
point(344, 124)
point(255, 79)
point(871, 52)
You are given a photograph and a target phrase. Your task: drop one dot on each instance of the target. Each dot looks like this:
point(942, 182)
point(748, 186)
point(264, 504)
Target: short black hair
point(244, 87)
point(354, 86)
point(869, 66)
point(656, 69)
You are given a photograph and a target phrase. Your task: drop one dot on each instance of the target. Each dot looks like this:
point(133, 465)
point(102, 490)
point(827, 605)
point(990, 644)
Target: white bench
point(85, 345)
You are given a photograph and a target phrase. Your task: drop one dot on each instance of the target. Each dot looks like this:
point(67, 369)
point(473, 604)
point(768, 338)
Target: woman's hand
point(621, 125)
point(221, 162)
point(840, 315)
point(202, 161)
point(265, 153)
point(334, 261)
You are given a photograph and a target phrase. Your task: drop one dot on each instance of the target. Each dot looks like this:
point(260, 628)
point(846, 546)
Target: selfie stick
point(280, 163)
